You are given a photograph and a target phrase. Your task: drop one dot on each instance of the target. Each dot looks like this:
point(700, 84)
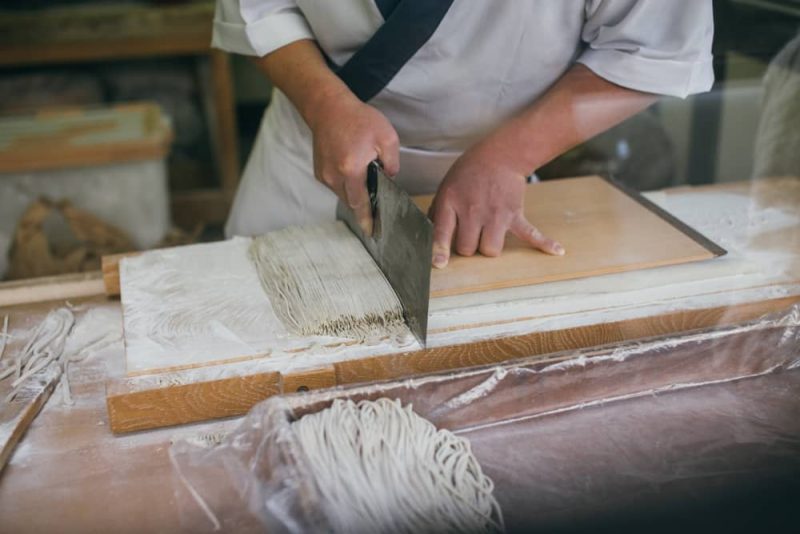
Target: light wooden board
point(603, 229)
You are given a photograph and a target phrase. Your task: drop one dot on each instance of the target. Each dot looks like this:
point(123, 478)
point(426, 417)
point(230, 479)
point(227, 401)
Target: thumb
point(357, 198)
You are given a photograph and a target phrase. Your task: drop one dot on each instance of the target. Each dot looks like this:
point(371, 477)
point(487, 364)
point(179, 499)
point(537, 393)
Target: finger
point(357, 197)
point(527, 232)
point(468, 235)
point(493, 238)
point(444, 225)
point(389, 154)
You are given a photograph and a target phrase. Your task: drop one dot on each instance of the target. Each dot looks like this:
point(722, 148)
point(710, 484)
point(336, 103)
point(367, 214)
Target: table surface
point(70, 473)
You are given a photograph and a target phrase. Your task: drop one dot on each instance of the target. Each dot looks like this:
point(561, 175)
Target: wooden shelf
point(12, 55)
point(70, 35)
point(91, 33)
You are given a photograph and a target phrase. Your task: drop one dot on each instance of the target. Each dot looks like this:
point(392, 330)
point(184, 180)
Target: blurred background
point(120, 129)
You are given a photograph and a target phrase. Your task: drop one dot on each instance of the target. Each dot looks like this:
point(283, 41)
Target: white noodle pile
point(45, 354)
point(380, 467)
point(44, 348)
point(321, 281)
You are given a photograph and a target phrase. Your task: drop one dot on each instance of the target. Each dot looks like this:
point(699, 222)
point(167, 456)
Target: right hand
point(349, 134)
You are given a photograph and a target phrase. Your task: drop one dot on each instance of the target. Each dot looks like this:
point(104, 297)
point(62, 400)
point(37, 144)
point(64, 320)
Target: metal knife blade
point(401, 244)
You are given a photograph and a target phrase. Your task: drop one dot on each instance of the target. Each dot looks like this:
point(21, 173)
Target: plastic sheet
point(660, 432)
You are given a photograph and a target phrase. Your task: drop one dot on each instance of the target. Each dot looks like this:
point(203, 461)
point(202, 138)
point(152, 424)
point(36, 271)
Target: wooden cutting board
point(604, 229)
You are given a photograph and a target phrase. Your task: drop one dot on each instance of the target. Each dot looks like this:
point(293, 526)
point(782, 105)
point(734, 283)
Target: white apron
point(485, 63)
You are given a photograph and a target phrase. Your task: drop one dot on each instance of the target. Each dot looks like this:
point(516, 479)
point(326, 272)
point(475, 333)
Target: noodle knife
point(401, 244)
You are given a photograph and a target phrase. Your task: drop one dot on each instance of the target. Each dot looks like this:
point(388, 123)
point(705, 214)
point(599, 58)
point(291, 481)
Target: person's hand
point(348, 135)
point(478, 202)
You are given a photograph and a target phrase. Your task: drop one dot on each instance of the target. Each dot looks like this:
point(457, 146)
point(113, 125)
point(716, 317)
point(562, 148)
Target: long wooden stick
point(16, 416)
point(46, 288)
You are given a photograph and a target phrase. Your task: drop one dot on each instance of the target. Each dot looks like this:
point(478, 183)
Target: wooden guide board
point(147, 402)
point(604, 230)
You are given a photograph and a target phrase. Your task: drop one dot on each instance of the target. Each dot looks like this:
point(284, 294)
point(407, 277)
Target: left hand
point(478, 202)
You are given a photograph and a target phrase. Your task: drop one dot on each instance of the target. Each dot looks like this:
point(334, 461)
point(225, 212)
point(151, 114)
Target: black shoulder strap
point(409, 25)
point(386, 7)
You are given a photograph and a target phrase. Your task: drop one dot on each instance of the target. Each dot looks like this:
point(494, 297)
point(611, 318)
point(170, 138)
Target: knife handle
point(373, 169)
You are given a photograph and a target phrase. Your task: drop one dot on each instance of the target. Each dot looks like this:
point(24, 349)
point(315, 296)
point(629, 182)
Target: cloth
point(485, 63)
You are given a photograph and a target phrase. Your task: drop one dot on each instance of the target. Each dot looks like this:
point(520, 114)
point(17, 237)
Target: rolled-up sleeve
point(257, 27)
point(655, 46)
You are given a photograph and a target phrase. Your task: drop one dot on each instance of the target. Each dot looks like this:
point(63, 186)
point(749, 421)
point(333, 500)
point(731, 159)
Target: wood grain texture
point(175, 404)
point(603, 230)
point(140, 403)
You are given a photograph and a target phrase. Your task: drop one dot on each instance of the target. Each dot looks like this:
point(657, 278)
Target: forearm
point(578, 107)
point(300, 72)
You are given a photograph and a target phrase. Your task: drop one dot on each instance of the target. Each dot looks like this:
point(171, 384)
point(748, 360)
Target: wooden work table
point(70, 473)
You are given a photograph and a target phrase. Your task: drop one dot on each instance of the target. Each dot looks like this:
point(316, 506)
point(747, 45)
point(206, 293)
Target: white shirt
point(487, 61)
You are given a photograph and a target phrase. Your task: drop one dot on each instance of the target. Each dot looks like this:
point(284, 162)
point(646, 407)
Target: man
point(496, 90)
